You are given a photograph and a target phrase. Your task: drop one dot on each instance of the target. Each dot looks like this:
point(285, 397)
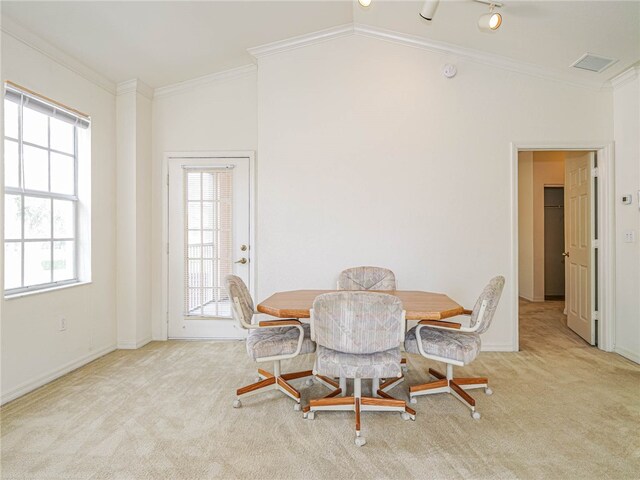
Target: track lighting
point(364, 3)
point(490, 22)
point(429, 9)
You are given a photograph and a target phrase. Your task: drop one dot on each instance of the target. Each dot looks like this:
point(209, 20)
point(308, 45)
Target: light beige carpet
point(561, 409)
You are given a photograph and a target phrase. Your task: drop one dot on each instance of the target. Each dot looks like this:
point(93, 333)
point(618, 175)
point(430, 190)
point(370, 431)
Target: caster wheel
point(237, 404)
point(360, 441)
point(488, 391)
point(475, 415)
point(297, 407)
point(310, 415)
point(405, 416)
point(309, 382)
point(413, 400)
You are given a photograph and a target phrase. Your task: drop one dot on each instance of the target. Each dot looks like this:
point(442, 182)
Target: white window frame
point(23, 192)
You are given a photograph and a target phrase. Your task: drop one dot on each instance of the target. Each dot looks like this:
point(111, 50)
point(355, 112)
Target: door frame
point(606, 234)
point(167, 158)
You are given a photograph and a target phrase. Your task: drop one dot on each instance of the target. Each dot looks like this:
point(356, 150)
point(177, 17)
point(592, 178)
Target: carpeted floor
point(560, 409)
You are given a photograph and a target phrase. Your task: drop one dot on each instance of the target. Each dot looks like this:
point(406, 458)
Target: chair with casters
point(455, 344)
point(358, 335)
point(367, 278)
point(370, 278)
point(269, 341)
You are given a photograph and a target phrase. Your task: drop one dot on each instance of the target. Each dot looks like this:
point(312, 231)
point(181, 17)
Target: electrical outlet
point(629, 236)
point(63, 324)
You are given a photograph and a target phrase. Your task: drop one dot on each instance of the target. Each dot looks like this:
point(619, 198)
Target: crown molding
point(302, 40)
point(422, 43)
point(626, 76)
point(187, 85)
point(43, 47)
point(135, 85)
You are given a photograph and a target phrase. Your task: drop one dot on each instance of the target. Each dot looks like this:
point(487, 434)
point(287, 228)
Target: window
point(41, 192)
point(208, 235)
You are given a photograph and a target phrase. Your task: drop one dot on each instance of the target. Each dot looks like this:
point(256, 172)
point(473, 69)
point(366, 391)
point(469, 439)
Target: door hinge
point(595, 243)
point(595, 315)
point(594, 172)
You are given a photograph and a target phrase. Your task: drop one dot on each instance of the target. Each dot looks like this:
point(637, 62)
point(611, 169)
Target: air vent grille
point(593, 63)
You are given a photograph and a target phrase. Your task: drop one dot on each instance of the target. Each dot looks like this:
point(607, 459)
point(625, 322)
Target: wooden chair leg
point(294, 375)
point(256, 386)
point(288, 389)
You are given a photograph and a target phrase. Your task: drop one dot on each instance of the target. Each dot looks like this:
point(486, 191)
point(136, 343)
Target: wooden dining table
point(417, 304)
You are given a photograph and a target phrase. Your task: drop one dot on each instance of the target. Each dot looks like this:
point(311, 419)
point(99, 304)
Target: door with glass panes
point(208, 239)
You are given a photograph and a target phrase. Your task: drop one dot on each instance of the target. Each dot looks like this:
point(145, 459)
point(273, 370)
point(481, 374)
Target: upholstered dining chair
point(455, 344)
point(269, 341)
point(358, 335)
point(367, 278)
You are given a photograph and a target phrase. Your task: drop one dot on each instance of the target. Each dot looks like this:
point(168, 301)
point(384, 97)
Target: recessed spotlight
point(364, 3)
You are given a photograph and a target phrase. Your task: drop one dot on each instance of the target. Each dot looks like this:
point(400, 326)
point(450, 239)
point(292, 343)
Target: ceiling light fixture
point(429, 9)
point(490, 22)
point(364, 3)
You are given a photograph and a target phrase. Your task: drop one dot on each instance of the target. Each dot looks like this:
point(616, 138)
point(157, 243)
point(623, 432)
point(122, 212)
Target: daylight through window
point(41, 192)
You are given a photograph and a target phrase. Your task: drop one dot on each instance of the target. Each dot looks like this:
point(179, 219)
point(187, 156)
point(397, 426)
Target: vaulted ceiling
point(163, 43)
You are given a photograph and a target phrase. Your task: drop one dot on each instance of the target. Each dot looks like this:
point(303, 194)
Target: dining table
point(419, 305)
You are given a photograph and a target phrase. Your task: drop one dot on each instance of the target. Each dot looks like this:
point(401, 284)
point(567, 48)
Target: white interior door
point(209, 223)
point(578, 234)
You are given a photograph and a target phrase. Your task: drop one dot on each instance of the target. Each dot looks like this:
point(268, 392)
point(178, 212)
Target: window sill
point(46, 290)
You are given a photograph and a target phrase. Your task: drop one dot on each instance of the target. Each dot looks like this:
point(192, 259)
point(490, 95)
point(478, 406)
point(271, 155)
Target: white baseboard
point(497, 347)
point(526, 297)
point(633, 356)
point(31, 385)
point(133, 345)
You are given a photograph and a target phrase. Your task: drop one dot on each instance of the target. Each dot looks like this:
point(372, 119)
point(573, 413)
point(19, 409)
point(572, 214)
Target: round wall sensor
point(449, 70)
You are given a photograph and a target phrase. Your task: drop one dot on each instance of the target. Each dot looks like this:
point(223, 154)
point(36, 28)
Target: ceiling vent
point(593, 63)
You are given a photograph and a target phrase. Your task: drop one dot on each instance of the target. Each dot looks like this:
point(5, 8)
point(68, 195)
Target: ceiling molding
point(422, 43)
point(135, 85)
point(33, 41)
point(475, 56)
point(188, 85)
point(302, 40)
point(625, 77)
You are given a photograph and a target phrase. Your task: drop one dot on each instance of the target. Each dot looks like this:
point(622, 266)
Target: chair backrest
point(367, 278)
point(241, 302)
point(357, 322)
point(486, 305)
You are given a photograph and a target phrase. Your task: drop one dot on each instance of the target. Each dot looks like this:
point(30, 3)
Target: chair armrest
point(441, 324)
point(289, 322)
point(467, 312)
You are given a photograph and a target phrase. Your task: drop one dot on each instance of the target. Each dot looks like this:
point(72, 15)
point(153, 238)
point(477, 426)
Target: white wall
point(368, 155)
point(525, 225)
point(33, 350)
point(133, 111)
point(216, 116)
point(626, 101)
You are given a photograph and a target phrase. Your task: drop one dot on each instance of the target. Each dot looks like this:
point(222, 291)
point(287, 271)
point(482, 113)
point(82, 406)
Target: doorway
point(558, 246)
point(554, 243)
point(208, 233)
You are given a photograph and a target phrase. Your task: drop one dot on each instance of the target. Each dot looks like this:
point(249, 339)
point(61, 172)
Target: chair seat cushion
point(269, 342)
point(462, 347)
point(351, 365)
